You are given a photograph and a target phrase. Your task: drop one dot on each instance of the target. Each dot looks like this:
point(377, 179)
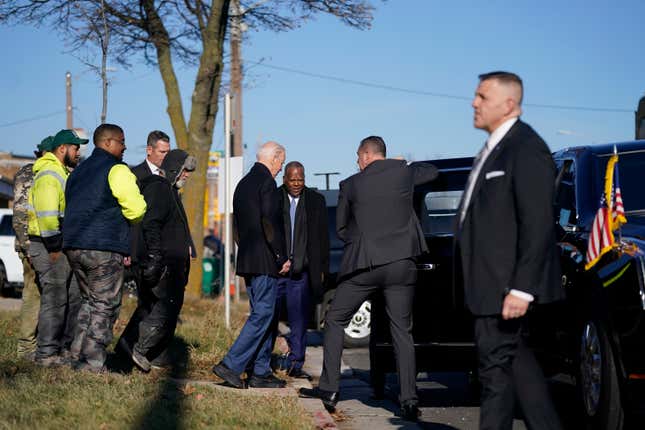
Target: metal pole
point(236, 75)
point(68, 106)
point(326, 175)
point(227, 217)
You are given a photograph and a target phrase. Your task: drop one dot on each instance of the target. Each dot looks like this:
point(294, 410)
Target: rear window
point(6, 229)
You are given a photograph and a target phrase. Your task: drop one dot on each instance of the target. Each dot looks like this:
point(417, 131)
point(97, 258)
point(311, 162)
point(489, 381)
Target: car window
point(6, 229)
point(565, 197)
point(438, 211)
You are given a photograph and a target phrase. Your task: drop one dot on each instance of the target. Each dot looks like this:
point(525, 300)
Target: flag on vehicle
point(610, 216)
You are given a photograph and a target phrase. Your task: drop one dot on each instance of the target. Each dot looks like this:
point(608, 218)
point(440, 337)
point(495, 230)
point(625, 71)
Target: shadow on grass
point(166, 410)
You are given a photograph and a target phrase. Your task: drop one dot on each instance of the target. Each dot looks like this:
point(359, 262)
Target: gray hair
point(270, 151)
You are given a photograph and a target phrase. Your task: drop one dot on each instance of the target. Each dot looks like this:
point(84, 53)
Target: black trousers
point(152, 326)
point(396, 280)
point(508, 372)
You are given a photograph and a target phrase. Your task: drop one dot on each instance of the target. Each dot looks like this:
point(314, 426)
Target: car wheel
point(599, 385)
point(357, 333)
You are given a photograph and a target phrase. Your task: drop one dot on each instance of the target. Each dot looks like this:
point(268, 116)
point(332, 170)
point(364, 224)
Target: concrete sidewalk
point(355, 409)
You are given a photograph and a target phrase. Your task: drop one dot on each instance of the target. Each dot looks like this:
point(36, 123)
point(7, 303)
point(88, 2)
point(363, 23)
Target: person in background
point(157, 146)
point(103, 199)
point(165, 254)
point(304, 214)
point(22, 182)
point(59, 295)
point(262, 257)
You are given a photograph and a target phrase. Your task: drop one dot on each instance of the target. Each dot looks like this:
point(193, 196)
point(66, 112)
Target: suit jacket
point(507, 238)
point(375, 217)
point(259, 232)
point(141, 171)
point(311, 239)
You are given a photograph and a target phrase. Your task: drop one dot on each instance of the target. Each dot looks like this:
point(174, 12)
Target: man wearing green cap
point(59, 299)
point(22, 183)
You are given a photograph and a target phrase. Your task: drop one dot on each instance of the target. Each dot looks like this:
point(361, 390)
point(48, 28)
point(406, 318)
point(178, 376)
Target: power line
point(33, 118)
point(427, 93)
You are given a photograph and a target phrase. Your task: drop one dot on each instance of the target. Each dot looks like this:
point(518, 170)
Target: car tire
point(357, 333)
point(598, 381)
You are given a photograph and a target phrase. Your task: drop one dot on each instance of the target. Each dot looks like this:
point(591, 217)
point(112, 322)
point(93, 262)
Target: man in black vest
point(376, 220)
point(508, 252)
point(305, 222)
point(102, 200)
point(261, 259)
point(165, 255)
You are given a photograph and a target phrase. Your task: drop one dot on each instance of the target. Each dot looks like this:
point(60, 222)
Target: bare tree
point(162, 32)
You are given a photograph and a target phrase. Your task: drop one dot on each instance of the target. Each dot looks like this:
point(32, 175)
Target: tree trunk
point(201, 126)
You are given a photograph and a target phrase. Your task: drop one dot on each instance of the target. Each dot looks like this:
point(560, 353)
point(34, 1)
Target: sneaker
point(141, 361)
point(266, 381)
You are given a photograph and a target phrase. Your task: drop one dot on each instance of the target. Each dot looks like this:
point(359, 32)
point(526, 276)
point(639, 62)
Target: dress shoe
point(266, 381)
point(298, 373)
point(229, 377)
point(410, 411)
point(329, 398)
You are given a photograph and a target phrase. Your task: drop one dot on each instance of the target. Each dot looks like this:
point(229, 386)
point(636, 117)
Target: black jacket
point(375, 217)
point(258, 227)
point(164, 228)
point(141, 171)
point(507, 239)
point(311, 240)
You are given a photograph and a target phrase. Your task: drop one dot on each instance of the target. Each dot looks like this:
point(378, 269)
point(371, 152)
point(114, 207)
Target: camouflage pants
point(59, 301)
point(29, 309)
point(100, 278)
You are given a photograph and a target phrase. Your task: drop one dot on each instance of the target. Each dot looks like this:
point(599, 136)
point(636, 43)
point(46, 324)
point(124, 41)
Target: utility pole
point(68, 107)
point(236, 77)
point(327, 175)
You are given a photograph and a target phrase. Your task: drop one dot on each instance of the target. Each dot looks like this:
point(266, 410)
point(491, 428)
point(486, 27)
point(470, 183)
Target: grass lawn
point(32, 397)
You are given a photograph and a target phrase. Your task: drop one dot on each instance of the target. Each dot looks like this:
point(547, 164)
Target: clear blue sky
point(574, 53)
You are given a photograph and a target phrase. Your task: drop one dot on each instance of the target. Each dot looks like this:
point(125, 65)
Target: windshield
point(631, 166)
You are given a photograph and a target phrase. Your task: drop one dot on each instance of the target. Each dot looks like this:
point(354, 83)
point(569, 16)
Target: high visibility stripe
point(49, 233)
point(51, 173)
point(43, 214)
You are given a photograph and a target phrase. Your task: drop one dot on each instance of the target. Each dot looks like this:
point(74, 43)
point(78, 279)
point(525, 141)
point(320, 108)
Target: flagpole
point(620, 228)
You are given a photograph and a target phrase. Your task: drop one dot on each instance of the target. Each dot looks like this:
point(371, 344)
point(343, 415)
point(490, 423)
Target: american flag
point(610, 216)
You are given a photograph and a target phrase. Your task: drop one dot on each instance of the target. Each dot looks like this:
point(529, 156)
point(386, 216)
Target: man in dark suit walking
point(507, 244)
point(305, 223)
point(157, 146)
point(261, 258)
point(382, 235)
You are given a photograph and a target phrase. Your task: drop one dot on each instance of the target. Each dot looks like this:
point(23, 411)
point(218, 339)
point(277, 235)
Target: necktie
point(292, 215)
point(472, 179)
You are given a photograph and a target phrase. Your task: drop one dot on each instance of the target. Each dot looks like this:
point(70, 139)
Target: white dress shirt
point(154, 169)
point(495, 137)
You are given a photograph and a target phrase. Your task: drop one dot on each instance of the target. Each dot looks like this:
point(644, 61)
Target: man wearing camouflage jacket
point(31, 291)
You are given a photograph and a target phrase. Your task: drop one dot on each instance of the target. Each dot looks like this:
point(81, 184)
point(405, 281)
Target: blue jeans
point(253, 346)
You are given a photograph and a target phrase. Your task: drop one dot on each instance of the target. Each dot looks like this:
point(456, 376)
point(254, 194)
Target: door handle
point(427, 267)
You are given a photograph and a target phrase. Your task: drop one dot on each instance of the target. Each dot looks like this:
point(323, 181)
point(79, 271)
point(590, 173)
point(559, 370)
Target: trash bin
point(208, 272)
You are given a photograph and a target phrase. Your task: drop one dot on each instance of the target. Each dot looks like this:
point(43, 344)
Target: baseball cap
point(66, 137)
point(45, 144)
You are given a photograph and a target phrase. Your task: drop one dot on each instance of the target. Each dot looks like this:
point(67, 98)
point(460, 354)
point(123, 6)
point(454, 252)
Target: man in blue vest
point(103, 199)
